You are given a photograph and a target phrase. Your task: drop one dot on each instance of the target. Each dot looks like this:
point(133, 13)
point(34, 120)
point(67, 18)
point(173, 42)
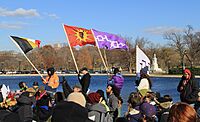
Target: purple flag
point(109, 41)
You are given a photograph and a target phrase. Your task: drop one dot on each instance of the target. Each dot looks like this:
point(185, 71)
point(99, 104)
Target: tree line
point(183, 49)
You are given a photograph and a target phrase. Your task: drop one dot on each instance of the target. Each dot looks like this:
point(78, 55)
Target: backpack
point(106, 117)
point(103, 117)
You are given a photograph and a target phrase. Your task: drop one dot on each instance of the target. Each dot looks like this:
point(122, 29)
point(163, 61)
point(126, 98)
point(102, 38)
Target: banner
point(109, 41)
point(26, 44)
point(142, 62)
point(79, 36)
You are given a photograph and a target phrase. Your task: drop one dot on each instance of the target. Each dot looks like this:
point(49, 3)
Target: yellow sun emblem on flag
point(81, 35)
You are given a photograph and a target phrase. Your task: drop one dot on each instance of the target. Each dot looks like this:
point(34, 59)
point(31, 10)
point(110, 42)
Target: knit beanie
point(148, 109)
point(77, 97)
point(94, 98)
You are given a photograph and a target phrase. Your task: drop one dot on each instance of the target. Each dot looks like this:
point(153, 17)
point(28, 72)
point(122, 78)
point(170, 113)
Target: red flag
point(79, 36)
point(38, 43)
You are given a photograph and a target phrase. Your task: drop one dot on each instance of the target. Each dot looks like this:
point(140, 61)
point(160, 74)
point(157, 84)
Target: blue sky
point(43, 19)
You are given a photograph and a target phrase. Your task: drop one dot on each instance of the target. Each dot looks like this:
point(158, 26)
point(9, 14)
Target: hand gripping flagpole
point(27, 58)
point(99, 51)
point(71, 50)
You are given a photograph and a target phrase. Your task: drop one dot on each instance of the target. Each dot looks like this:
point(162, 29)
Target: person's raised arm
point(66, 88)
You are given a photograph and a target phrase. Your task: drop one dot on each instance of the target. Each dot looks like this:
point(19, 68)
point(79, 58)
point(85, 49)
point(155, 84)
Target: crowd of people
point(79, 104)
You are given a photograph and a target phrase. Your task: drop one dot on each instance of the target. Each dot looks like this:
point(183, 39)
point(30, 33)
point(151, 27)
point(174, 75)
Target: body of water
point(160, 84)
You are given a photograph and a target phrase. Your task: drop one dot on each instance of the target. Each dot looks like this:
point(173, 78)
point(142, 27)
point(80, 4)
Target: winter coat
point(189, 93)
point(85, 82)
point(118, 80)
point(144, 84)
point(52, 81)
point(69, 112)
point(98, 111)
point(7, 116)
point(25, 110)
point(42, 111)
point(134, 115)
point(113, 105)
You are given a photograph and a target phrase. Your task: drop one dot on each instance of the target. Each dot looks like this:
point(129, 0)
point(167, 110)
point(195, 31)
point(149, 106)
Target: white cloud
point(19, 12)
point(160, 30)
point(54, 16)
point(51, 15)
point(18, 25)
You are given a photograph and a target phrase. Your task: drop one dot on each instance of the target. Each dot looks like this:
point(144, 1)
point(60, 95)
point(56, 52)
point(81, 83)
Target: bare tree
point(49, 56)
point(177, 42)
point(193, 44)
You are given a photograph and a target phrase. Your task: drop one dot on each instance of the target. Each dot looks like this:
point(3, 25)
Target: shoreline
point(151, 75)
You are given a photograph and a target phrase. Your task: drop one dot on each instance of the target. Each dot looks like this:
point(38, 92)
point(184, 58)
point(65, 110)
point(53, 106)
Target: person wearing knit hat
point(97, 110)
point(72, 110)
point(188, 88)
point(93, 98)
point(101, 92)
point(102, 99)
point(77, 97)
point(148, 111)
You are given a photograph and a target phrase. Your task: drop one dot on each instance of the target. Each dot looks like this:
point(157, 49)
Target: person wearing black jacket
point(188, 88)
point(25, 102)
point(85, 80)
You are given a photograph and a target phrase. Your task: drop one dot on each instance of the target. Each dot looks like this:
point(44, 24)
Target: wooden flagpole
point(100, 51)
point(71, 50)
point(27, 58)
point(105, 57)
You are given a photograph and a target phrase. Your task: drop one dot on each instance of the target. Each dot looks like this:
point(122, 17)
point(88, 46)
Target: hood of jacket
point(97, 107)
point(24, 99)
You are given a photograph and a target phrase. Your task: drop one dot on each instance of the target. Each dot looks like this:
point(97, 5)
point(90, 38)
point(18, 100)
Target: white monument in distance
point(154, 67)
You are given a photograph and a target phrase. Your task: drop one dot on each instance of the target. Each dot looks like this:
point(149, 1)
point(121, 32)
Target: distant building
point(154, 66)
point(58, 45)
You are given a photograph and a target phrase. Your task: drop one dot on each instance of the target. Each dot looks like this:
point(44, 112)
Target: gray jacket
point(113, 105)
point(98, 111)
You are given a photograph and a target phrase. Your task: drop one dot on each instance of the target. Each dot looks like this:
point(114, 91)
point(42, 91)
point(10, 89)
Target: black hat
point(84, 68)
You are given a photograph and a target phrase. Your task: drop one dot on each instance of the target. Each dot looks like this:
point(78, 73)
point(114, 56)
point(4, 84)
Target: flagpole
point(106, 61)
point(99, 51)
point(71, 50)
point(27, 58)
point(137, 63)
